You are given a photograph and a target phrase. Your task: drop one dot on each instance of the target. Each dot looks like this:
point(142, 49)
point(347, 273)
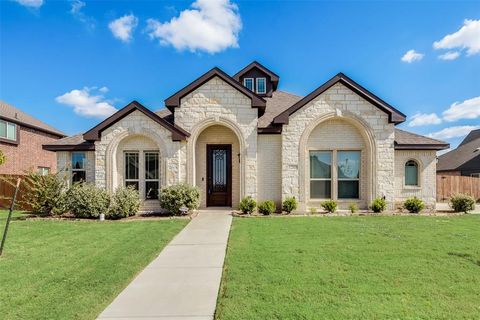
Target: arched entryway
point(217, 166)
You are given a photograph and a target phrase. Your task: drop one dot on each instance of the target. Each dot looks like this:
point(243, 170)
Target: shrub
point(2, 158)
point(44, 194)
point(289, 204)
point(172, 198)
point(378, 205)
point(414, 205)
point(329, 206)
point(267, 207)
point(125, 203)
point(353, 207)
point(462, 203)
point(313, 210)
point(85, 200)
point(247, 205)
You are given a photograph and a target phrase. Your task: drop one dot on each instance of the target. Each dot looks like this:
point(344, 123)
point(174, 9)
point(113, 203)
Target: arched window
point(411, 173)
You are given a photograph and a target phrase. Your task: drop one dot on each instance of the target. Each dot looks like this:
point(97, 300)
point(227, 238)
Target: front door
point(219, 175)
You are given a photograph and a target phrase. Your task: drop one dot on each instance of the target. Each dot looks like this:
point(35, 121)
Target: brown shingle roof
point(405, 140)
point(456, 158)
point(9, 112)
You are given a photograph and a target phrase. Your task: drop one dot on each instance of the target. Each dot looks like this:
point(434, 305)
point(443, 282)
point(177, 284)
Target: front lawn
point(406, 267)
point(55, 269)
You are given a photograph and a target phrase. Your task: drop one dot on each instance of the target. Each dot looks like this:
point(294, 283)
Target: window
point(132, 169)
point(320, 174)
point(152, 182)
point(248, 83)
point(261, 85)
point(8, 130)
point(411, 173)
point(348, 171)
point(79, 162)
point(43, 171)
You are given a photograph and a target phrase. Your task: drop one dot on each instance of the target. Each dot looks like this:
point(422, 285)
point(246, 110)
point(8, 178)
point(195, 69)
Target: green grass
point(352, 268)
point(74, 269)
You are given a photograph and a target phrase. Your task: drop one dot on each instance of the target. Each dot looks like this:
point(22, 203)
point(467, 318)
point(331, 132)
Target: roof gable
point(274, 78)
point(455, 159)
point(473, 135)
point(174, 101)
point(394, 116)
point(95, 133)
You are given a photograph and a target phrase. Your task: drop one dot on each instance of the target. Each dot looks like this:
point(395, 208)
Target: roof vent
point(16, 115)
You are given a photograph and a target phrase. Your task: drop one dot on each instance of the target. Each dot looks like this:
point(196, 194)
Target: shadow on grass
point(465, 256)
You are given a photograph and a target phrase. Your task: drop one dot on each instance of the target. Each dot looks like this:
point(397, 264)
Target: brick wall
point(28, 154)
point(269, 168)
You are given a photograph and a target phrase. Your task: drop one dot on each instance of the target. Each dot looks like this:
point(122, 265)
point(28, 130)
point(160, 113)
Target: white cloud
point(452, 132)
point(86, 104)
point(210, 25)
point(30, 3)
point(468, 37)
point(411, 56)
point(76, 11)
point(122, 28)
point(423, 119)
point(450, 55)
point(468, 109)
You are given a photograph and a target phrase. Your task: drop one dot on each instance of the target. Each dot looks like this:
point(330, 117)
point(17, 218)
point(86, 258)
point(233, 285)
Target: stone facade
point(339, 102)
point(265, 166)
point(426, 190)
point(218, 103)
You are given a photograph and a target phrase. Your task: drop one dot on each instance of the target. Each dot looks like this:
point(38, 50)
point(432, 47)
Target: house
point(464, 160)
point(234, 136)
point(21, 140)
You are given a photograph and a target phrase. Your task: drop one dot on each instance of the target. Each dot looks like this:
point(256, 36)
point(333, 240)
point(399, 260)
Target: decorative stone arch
point(192, 142)
point(112, 149)
point(369, 138)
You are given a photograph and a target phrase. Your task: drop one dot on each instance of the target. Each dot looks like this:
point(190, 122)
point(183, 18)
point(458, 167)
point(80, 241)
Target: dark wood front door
point(219, 175)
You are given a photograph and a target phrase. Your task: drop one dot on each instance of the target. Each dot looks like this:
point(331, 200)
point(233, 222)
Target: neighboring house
point(234, 136)
point(464, 160)
point(21, 140)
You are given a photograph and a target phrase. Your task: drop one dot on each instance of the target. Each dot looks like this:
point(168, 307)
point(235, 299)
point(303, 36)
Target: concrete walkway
point(184, 280)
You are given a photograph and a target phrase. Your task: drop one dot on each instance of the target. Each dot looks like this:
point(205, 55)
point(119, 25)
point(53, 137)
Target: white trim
point(265, 85)
point(245, 84)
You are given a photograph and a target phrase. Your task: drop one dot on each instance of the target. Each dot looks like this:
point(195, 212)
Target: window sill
point(13, 142)
point(412, 187)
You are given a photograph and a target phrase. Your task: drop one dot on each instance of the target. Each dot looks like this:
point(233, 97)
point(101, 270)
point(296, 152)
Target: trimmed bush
point(329, 206)
point(247, 205)
point(125, 203)
point(85, 200)
point(353, 207)
point(289, 204)
point(267, 207)
point(462, 203)
point(172, 198)
point(45, 195)
point(414, 205)
point(378, 205)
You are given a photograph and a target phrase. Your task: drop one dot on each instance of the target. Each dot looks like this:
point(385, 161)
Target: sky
point(73, 63)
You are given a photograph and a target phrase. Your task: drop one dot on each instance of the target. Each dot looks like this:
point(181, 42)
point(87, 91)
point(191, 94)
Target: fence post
point(9, 217)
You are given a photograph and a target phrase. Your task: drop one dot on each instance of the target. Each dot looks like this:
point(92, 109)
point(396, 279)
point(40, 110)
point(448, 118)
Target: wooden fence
point(7, 188)
point(449, 185)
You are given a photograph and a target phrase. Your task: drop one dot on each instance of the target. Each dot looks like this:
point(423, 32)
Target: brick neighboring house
point(464, 160)
point(236, 136)
point(21, 140)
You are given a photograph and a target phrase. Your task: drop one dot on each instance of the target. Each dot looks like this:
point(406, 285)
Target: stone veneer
point(339, 102)
point(427, 162)
point(218, 103)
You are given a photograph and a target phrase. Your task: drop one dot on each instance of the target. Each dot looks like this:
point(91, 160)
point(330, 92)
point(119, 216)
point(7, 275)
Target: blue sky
point(71, 63)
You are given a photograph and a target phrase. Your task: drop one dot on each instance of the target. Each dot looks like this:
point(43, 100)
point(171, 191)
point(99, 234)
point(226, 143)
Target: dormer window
point(248, 83)
point(261, 85)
